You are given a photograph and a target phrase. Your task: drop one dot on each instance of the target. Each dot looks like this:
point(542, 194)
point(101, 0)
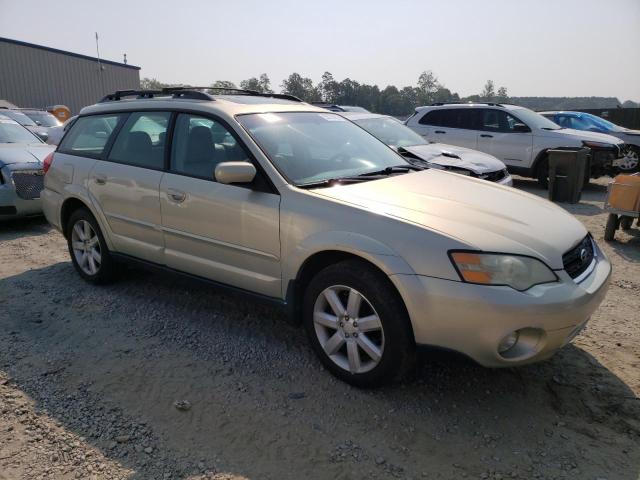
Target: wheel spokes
point(369, 348)
point(79, 231)
point(334, 302)
point(326, 320)
point(334, 343)
point(370, 323)
point(353, 355)
point(353, 303)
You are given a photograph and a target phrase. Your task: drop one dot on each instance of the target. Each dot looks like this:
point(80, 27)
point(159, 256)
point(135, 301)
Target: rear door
point(453, 126)
point(499, 138)
point(227, 233)
point(125, 186)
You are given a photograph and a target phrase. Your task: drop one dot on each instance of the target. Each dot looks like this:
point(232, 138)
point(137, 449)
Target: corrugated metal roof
point(64, 52)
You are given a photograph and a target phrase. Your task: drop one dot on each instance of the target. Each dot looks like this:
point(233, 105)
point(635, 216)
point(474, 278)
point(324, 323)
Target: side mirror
point(235, 172)
point(38, 123)
point(44, 136)
point(521, 128)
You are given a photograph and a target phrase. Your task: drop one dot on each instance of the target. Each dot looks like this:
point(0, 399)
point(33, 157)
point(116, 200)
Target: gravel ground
point(157, 377)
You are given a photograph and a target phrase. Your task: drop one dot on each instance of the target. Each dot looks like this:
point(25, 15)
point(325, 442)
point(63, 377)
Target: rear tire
point(611, 227)
point(88, 249)
point(626, 222)
point(357, 325)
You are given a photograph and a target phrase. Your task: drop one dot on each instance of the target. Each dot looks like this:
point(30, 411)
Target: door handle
point(176, 195)
point(486, 135)
point(439, 131)
point(100, 179)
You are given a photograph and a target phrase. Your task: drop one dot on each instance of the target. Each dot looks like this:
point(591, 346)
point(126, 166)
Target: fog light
point(508, 342)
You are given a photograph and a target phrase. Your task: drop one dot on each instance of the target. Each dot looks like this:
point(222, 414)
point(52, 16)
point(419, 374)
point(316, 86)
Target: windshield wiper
point(330, 182)
point(390, 170)
point(551, 128)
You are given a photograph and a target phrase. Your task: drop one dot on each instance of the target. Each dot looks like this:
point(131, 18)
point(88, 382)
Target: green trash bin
point(567, 172)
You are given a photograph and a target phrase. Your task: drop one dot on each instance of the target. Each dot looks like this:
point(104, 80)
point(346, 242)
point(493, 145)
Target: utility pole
point(100, 68)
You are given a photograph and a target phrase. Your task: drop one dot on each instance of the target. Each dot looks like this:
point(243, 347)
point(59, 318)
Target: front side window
point(498, 121)
point(200, 144)
point(89, 135)
point(141, 140)
point(310, 147)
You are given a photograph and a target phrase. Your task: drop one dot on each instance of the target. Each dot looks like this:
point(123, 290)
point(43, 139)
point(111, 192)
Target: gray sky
point(541, 47)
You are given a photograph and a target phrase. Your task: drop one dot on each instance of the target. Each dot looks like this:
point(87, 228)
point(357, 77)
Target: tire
point(88, 249)
point(612, 226)
point(626, 222)
point(543, 173)
point(364, 356)
point(632, 161)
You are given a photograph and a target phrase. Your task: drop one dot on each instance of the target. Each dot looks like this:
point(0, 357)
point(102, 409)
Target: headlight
point(518, 272)
point(591, 144)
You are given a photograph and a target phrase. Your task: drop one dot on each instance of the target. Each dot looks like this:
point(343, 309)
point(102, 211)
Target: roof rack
point(193, 93)
point(493, 104)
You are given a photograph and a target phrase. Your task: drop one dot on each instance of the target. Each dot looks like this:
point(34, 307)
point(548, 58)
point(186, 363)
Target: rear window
point(89, 135)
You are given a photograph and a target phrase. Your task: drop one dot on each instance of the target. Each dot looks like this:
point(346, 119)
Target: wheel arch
point(70, 205)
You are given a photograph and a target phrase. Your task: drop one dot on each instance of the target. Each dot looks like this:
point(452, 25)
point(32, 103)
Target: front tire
point(543, 173)
point(358, 325)
point(88, 249)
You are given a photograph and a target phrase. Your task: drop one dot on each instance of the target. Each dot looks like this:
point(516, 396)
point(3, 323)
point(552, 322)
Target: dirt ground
point(90, 377)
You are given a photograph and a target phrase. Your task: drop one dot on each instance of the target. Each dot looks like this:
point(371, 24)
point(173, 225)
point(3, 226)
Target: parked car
point(56, 133)
point(25, 121)
point(340, 108)
point(436, 155)
point(516, 135)
point(21, 173)
point(300, 207)
point(592, 123)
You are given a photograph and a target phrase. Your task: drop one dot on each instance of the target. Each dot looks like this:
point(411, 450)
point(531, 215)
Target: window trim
point(107, 146)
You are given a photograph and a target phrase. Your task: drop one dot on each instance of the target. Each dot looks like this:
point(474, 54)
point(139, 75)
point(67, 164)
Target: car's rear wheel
point(358, 325)
point(88, 249)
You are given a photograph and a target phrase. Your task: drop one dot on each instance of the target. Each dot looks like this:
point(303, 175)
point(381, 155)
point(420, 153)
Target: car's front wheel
point(358, 325)
point(88, 249)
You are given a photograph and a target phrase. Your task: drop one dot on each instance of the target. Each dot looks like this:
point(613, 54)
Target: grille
point(577, 260)
point(494, 176)
point(28, 183)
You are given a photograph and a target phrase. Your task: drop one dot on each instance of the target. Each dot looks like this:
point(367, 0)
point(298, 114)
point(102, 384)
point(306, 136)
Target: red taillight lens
point(46, 164)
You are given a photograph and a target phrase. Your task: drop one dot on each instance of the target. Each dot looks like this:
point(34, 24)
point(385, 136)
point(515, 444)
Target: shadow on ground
point(113, 360)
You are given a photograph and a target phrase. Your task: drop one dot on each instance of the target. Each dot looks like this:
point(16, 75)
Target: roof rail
point(193, 93)
point(493, 104)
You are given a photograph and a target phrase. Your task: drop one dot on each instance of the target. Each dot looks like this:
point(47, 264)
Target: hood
point(473, 160)
point(24, 153)
point(483, 215)
point(633, 133)
point(582, 135)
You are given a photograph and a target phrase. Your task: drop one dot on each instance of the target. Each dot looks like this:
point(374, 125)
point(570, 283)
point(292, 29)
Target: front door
point(499, 138)
point(227, 233)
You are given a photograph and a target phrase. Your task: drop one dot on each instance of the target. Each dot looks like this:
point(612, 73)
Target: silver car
point(412, 146)
point(295, 205)
point(21, 173)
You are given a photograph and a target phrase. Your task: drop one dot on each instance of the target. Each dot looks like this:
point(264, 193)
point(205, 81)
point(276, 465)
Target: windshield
point(44, 119)
point(535, 120)
point(19, 117)
point(600, 123)
point(391, 132)
point(11, 132)
point(309, 147)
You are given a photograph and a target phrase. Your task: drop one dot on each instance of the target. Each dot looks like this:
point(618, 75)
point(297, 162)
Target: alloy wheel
point(630, 161)
point(86, 247)
point(348, 328)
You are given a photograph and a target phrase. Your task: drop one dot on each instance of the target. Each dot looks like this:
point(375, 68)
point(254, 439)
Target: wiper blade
point(390, 170)
point(330, 182)
point(551, 128)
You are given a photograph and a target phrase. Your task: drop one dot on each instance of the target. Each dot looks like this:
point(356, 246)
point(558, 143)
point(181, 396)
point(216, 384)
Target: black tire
point(612, 226)
point(543, 173)
point(398, 354)
point(626, 222)
point(106, 271)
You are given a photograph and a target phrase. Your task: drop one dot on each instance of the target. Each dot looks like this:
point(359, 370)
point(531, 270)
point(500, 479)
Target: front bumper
point(473, 319)
point(11, 205)
point(506, 181)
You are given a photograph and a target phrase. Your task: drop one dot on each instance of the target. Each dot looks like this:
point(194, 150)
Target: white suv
point(518, 136)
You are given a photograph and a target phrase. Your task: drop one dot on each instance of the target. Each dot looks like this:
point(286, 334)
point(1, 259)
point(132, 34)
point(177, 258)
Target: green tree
point(153, 84)
point(329, 89)
point(301, 87)
point(428, 85)
point(223, 84)
point(488, 93)
point(262, 84)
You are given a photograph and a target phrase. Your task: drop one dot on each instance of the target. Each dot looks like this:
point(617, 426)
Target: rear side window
point(437, 118)
point(451, 118)
point(141, 140)
point(89, 135)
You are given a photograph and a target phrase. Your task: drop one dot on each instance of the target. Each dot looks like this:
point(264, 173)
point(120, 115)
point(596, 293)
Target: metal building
point(37, 76)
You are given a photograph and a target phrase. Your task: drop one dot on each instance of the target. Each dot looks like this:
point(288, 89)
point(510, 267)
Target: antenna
point(125, 58)
point(100, 67)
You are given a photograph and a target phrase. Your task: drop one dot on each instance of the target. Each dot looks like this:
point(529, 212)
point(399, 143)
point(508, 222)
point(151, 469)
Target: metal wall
point(35, 76)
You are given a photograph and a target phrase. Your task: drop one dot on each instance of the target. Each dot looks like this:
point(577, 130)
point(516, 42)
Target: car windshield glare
point(44, 119)
point(309, 147)
point(601, 123)
point(391, 131)
point(19, 117)
point(13, 133)
point(535, 120)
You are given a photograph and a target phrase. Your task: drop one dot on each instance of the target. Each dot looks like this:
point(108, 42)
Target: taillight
point(48, 160)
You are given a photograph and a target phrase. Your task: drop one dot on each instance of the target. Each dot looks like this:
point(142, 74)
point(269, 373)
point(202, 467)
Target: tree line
point(392, 100)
